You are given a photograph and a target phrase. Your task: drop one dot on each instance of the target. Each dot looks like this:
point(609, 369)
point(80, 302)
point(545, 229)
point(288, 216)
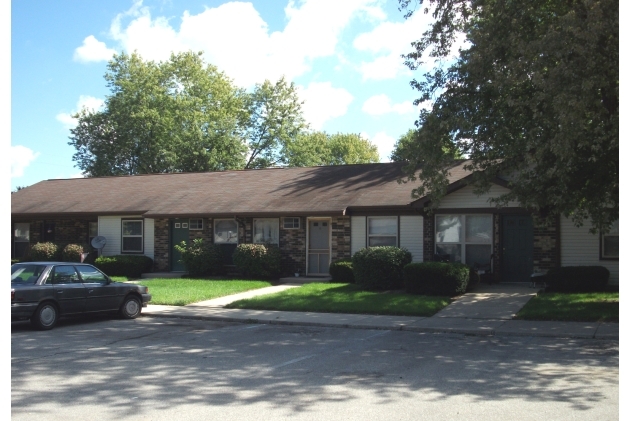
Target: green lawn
point(179, 292)
point(584, 307)
point(345, 298)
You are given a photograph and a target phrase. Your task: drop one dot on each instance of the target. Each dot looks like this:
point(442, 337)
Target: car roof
point(53, 263)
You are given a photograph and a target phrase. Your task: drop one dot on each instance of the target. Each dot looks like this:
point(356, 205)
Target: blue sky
point(343, 55)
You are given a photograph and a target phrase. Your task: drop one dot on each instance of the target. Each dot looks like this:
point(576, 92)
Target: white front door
point(319, 246)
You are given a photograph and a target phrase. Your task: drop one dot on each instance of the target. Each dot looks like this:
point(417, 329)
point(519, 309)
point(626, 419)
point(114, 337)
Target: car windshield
point(26, 274)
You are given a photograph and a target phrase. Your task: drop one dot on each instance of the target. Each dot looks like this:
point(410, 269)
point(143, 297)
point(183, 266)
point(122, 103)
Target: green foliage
point(533, 94)
point(172, 116)
point(72, 253)
point(44, 252)
point(342, 271)
point(201, 258)
point(275, 120)
point(258, 260)
point(408, 149)
point(320, 148)
point(380, 267)
point(577, 279)
point(13, 261)
point(124, 265)
point(436, 278)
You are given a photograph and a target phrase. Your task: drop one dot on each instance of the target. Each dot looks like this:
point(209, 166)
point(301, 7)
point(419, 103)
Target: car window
point(27, 274)
point(65, 275)
point(91, 274)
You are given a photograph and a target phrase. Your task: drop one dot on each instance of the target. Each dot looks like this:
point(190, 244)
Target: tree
point(533, 94)
point(172, 116)
point(407, 149)
point(275, 120)
point(320, 148)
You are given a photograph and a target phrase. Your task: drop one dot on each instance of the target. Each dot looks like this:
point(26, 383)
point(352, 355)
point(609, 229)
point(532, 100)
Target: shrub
point(124, 265)
point(14, 261)
point(436, 278)
point(44, 252)
point(380, 267)
point(577, 279)
point(201, 258)
point(474, 279)
point(72, 253)
point(258, 260)
point(342, 271)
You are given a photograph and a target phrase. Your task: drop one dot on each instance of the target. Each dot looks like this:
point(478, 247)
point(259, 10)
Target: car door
point(68, 289)
point(101, 294)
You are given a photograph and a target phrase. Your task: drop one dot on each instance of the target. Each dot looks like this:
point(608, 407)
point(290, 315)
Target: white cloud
point(21, 157)
point(323, 102)
point(381, 104)
point(234, 37)
point(387, 42)
point(85, 101)
point(384, 142)
point(93, 50)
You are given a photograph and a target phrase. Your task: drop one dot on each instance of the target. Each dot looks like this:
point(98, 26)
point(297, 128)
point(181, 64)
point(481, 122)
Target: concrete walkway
point(487, 311)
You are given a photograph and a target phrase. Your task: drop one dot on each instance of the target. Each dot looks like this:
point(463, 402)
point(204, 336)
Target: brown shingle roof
point(278, 191)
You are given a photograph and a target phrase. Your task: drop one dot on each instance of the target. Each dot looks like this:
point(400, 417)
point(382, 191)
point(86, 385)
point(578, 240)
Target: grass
point(575, 307)
point(180, 292)
point(345, 298)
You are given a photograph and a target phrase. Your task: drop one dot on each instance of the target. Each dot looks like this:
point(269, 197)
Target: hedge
point(436, 278)
point(44, 252)
point(72, 253)
point(342, 271)
point(380, 267)
point(201, 258)
point(124, 265)
point(577, 279)
point(261, 261)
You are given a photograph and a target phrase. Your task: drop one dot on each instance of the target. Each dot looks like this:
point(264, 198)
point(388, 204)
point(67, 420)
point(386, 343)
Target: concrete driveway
point(180, 369)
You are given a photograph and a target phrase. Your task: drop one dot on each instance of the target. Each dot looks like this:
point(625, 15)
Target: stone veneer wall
point(161, 245)
point(546, 251)
point(428, 238)
point(66, 231)
point(293, 248)
point(340, 238)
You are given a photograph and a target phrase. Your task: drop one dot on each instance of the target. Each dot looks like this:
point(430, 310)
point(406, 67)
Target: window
point(266, 230)
point(21, 237)
point(226, 231)
point(65, 275)
point(609, 243)
point(91, 275)
point(196, 224)
point(382, 231)
point(291, 223)
point(132, 236)
point(465, 238)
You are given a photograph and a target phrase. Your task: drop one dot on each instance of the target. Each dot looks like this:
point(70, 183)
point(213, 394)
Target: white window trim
point(215, 230)
point(463, 243)
point(368, 234)
point(292, 227)
point(254, 230)
point(141, 236)
point(190, 225)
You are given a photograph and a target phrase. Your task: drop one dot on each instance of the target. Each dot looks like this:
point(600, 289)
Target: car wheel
point(45, 316)
point(131, 308)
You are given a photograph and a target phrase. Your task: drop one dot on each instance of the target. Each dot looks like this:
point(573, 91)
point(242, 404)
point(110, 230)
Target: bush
point(342, 271)
point(44, 252)
point(14, 261)
point(380, 267)
point(577, 279)
point(258, 260)
point(436, 278)
point(474, 279)
point(201, 258)
point(124, 265)
point(72, 253)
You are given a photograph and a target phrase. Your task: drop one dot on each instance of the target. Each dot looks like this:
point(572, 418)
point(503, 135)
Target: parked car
point(44, 291)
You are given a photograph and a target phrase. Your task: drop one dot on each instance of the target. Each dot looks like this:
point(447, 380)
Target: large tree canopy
point(533, 95)
point(321, 148)
point(172, 116)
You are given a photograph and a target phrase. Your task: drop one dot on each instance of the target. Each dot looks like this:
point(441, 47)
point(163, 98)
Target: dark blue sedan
point(44, 291)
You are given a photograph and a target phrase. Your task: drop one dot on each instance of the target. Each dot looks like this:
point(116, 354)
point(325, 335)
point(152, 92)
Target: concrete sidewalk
point(486, 312)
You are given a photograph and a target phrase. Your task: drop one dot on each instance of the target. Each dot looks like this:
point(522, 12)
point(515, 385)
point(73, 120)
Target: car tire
point(45, 317)
point(131, 308)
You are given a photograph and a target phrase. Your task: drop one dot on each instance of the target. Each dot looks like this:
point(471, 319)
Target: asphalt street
point(183, 369)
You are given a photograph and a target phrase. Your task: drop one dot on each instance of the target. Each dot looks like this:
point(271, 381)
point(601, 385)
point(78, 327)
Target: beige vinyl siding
point(358, 233)
point(148, 237)
point(465, 198)
point(411, 235)
point(580, 248)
